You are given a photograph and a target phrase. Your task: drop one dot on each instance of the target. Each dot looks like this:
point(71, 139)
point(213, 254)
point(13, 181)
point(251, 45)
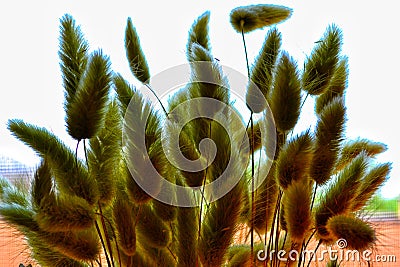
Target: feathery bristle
point(297, 203)
point(104, 154)
point(199, 34)
point(166, 210)
point(353, 148)
point(80, 246)
point(141, 128)
point(219, 225)
point(294, 159)
point(42, 184)
point(19, 216)
point(262, 70)
point(265, 200)
point(341, 194)
point(358, 234)
point(46, 255)
point(252, 17)
point(207, 78)
point(285, 96)
point(125, 225)
point(372, 181)
point(337, 86)
point(329, 134)
point(151, 229)
point(64, 213)
point(70, 174)
point(85, 112)
point(124, 92)
point(135, 55)
point(321, 65)
point(73, 56)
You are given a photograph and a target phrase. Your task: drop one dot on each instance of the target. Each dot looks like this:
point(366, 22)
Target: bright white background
point(31, 86)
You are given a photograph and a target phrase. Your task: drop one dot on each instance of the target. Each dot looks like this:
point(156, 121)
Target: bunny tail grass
point(151, 229)
point(135, 55)
point(142, 152)
point(358, 234)
point(21, 217)
point(104, 154)
point(372, 181)
point(46, 255)
point(337, 86)
point(321, 65)
point(353, 148)
point(73, 56)
point(199, 34)
point(124, 92)
point(340, 196)
point(252, 17)
point(125, 225)
point(64, 213)
point(85, 112)
point(78, 245)
point(265, 200)
point(70, 174)
point(297, 203)
point(264, 65)
point(329, 134)
point(219, 226)
point(285, 96)
point(294, 159)
point(207, 79)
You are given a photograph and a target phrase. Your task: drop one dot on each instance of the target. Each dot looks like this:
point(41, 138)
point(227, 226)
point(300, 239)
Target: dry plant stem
point(277, 231)
point(278, 201)
point(315, 251)
point(252, 258)
point(253, 207)
point(303, 247)
point(113, 232)
point(172, 254)
point(313, 198)
point(76, 153)
point(158, 99)
point(103, 224)
point(102, 243)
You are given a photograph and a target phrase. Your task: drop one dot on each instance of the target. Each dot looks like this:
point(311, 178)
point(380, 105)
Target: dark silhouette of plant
point(94, 210)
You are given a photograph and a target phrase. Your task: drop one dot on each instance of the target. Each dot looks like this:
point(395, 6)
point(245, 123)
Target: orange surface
point(13, 248)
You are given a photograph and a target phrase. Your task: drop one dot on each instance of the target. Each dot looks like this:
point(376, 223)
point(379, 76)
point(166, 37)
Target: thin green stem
point(158, 99)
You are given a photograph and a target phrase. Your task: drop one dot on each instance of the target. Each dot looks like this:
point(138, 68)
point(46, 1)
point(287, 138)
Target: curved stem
point(253, 259)
point(158, 99)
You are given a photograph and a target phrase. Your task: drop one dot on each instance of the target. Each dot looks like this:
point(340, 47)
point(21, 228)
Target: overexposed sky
point(31, 86)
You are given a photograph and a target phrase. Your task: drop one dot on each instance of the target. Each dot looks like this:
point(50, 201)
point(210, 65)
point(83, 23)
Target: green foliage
point(77, 211)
